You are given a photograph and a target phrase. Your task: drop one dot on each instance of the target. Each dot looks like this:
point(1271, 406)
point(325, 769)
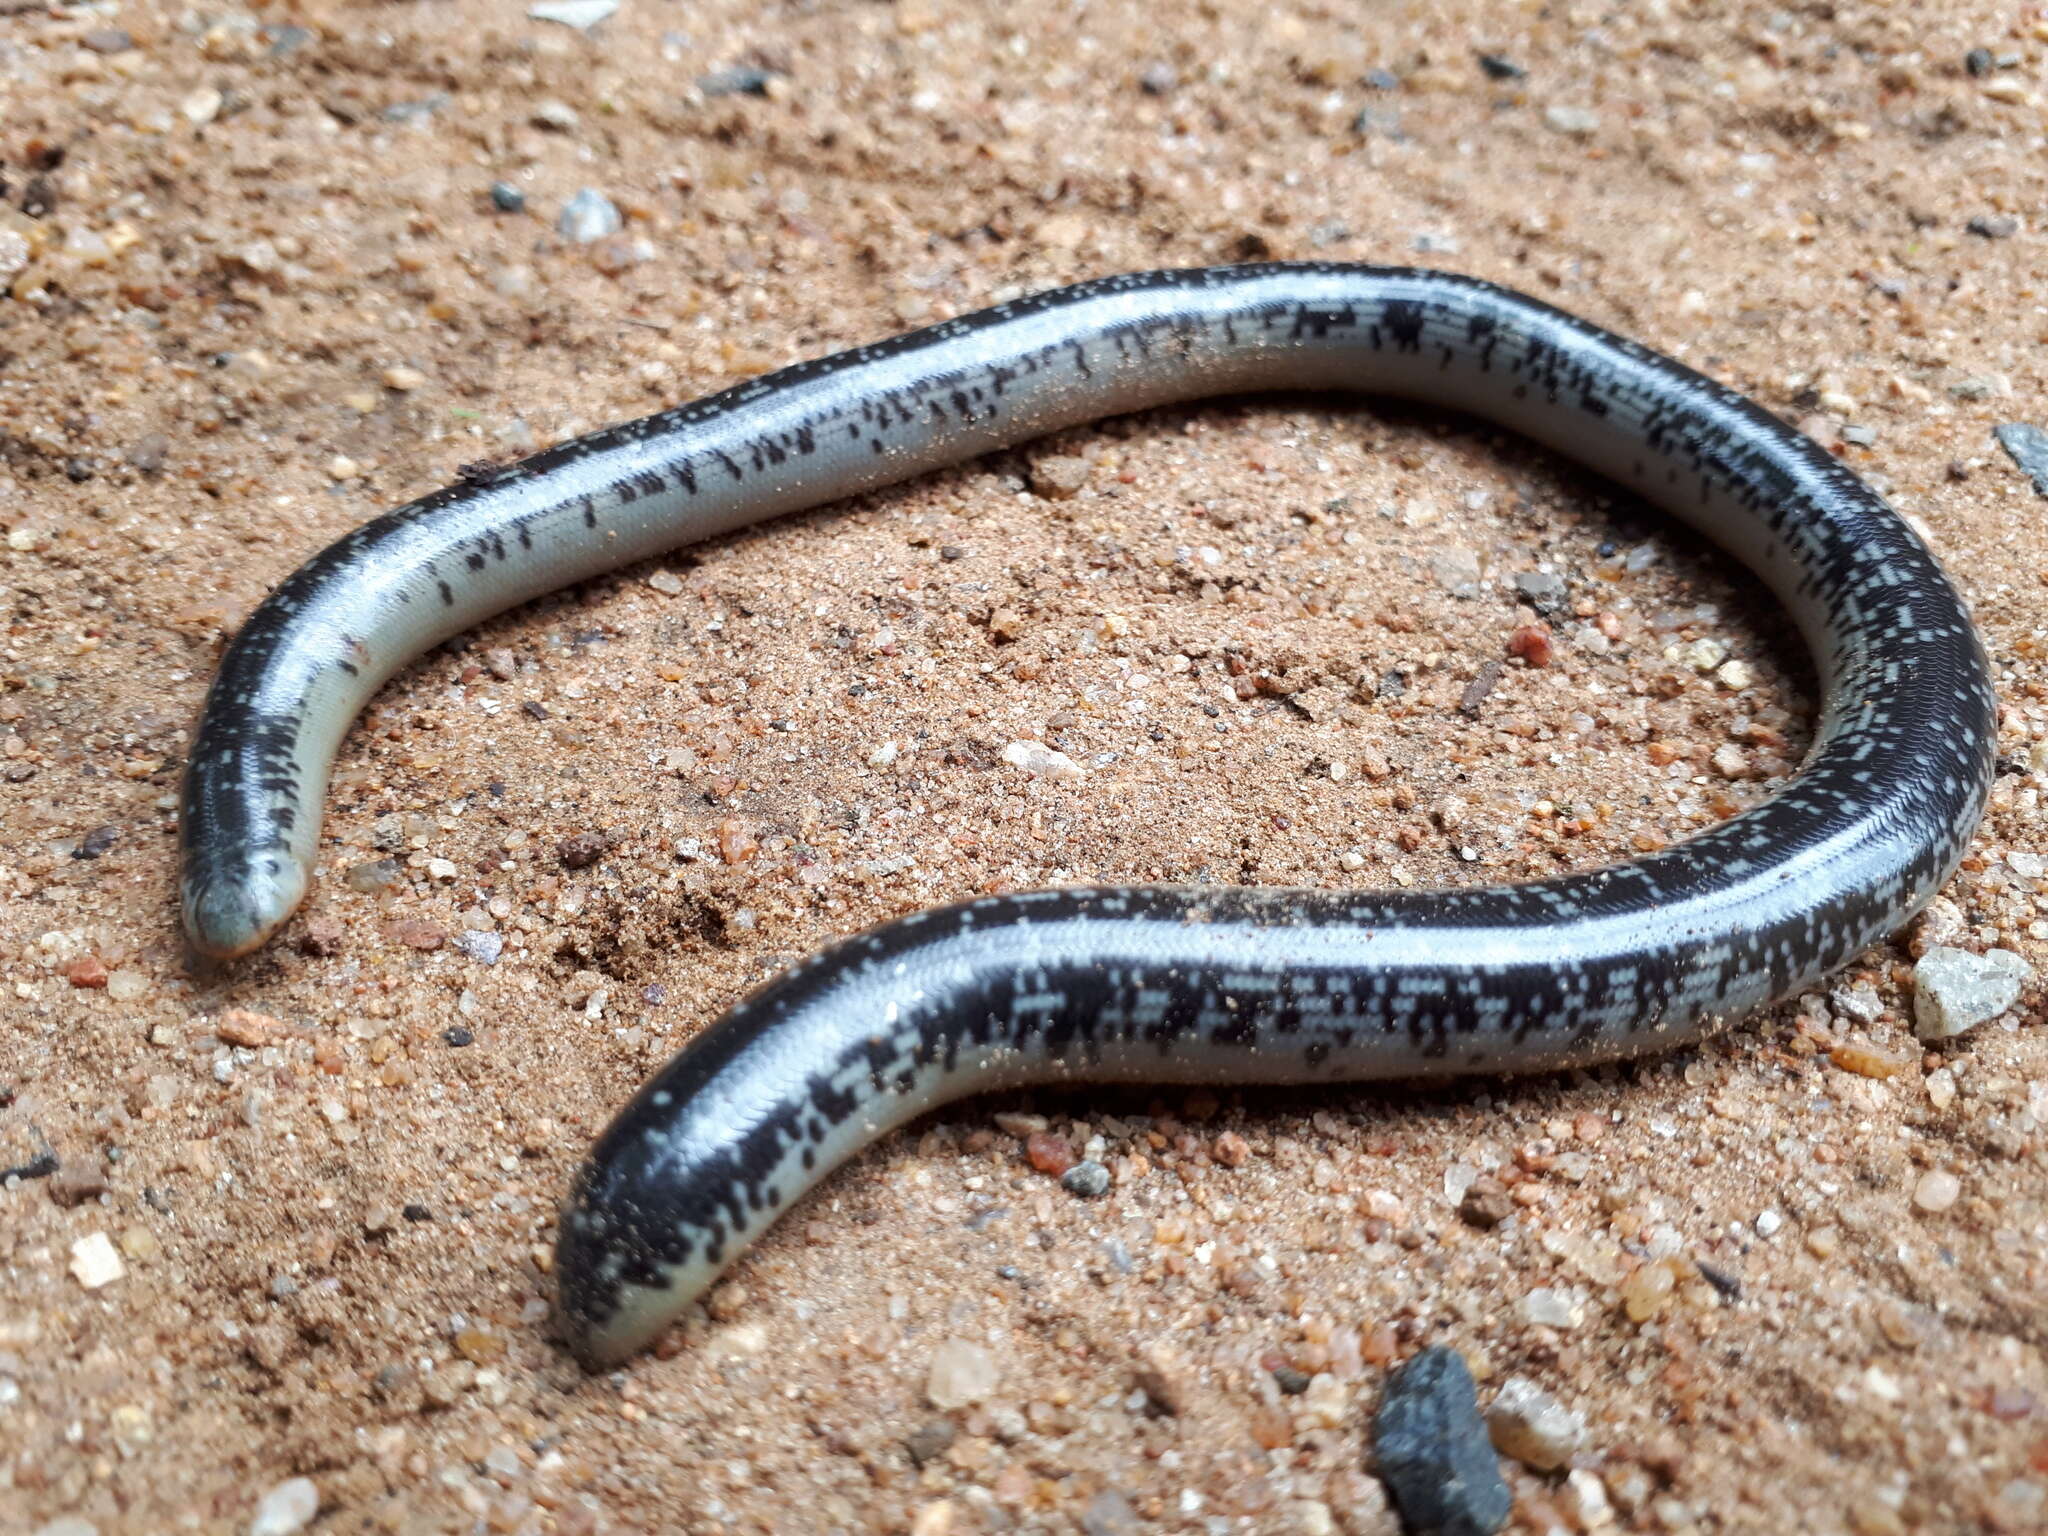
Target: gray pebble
point(1433, 1450)
point(1456, 571)
point(588, 216)
point(482, 946)
point(1993, 226)
point(2027, 446)
point(1089, 1180)
point(740, 80)
point(1544, 591)
point(507, 198)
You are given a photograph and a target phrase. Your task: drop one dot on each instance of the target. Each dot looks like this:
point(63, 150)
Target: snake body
point(1160, 984)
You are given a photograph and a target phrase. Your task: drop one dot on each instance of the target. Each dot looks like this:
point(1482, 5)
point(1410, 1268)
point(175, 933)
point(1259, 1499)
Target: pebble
point(1575, 122)
point(1059, 476)
point(588, 217)
point(1954, 990)
point(1530, 1425)
point(287, 1508)
point(372, 876)
point(483, 946)
point(1532, 643)
point(1542, 590)
point(1860, 1002)
point(68, 1525)
point(1940, 922)
point(1936, 1190)
point(739, 80)
point(507, 198)
point(1109, 1513)
point(962, 1372)
point(94, 1262)
point(1433, 1451)
point(1088, 1179)
point(1036, 757)
point(2001, 226)
point(1982, 386)
point(1456, 571)
point(580, 14)
point(1547, 1307)
point(2027, 446)
point(582, 850)
point(1048, 1153)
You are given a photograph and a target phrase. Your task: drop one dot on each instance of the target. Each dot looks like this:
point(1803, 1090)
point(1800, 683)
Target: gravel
point(1433, 1450)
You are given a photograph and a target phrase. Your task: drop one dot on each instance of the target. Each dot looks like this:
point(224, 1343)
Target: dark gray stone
point(1433, 1450)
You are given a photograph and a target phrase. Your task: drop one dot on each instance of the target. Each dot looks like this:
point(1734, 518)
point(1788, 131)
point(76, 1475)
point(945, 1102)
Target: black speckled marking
point(1156, 984)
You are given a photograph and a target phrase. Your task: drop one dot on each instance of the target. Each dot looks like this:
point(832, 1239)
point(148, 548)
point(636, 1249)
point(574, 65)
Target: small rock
point(94, 1262)
point(321, 937)
point(1532, 643)
point(583, 850)
point(414, 933)
point(1456, 571)
point(75, 1183)
point(1940, 922)
point(1499, 67)
point(1954, 990)
point(1936, 1191)
point(1089, 1180)
point(1059, 476)
point(667, 583)
point(1048, 1153)
point(1158, 79)
point(481, 945)
point(1547, 1307)
point(108, 40)
point(930, 1442)
point(245, 1026)
point(1859, 1002)
point(588, 217)
point(287, 1508)
point(1542, 590)
point(372, 876)
point(1433, 1450)
point(1485, 1203)
point(507, 198)
point(556, 117)
point(962, 1372)
point(1530, 1425)
point(87, 972)
point(127, 986)
point(1036, 757)
point(2001, 226)
point(739, 80)
point(2027, 446)
point(1109, 1513)
point(1574, 122)
point(580, 14)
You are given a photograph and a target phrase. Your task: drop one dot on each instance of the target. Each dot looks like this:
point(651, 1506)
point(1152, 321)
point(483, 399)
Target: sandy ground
point(266, 293)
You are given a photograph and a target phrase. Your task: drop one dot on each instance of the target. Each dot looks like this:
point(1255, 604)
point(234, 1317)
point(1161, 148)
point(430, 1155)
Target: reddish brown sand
point(267, 295)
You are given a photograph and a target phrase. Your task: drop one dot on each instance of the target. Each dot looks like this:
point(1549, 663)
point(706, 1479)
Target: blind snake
point(1155, 984)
